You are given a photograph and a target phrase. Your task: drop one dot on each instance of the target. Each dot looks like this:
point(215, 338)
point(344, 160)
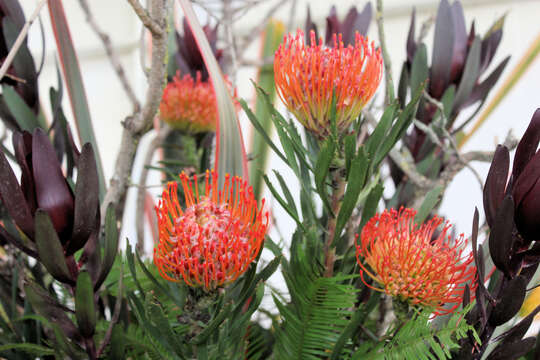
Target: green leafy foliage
point(417, 339)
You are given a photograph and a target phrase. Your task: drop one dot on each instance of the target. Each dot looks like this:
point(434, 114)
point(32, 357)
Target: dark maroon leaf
point(489, 48)
point(52, 192)
point(86, 200)
point(363, 19)
point(500, 237)
point(13, 198)
point(44, 304)
point(512, 351)
point(411, 41)
point(531, 256)
point(527, 145)
point(460, 41)
point(443, 49)
point(310, 25)
point(510, 302)
point(13, 10)
point(332, 24)
point(23, 66)
point(22, 145)
point(495, 185)
point(527, 194)
point(466, 296)
point(519, 330)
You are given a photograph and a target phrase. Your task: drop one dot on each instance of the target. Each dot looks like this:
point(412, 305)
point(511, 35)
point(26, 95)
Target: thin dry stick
point(111, 54)
point(141, 190)
point(20, 39)
point(386, 58)
point(138, 124)
point(147, 19)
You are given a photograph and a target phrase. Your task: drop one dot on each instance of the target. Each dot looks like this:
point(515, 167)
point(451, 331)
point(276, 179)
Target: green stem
point(338, 184)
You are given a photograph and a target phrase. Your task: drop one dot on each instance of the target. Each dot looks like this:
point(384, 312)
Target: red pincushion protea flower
point(189, 105)
point(409, 264)
point(214, 239)
point(306, 77)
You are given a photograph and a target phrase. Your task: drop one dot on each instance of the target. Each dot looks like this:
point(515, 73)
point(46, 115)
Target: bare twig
point(20, 38)
point(147, 19)
point(111, 54)
point(139, 123)
point(141, 190)
point(386, 57)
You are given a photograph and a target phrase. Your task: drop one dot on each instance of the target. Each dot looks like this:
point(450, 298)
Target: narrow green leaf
point(419, 68)
point(230, 153)
point(470, 73)
point(370, 206)
point(213, 325)
point(281, 201)
point(286, 192)
point(24, 116)
point(355, 184)
point(326, 155)
point(400, 126)
point(111, 245)
point(260, 129)
point(375, 140)
point(349, 146)
point(431, 199)
point(74, 83)
point(84, 305)
point(50, 249)
point(30, 349)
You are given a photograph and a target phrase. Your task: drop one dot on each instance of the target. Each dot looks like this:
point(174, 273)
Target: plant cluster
point(368, 274)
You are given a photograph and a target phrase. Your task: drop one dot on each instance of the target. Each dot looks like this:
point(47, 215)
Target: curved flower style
point(408, 263)
point(189, 105)
point(214, 239)
point(307, 76)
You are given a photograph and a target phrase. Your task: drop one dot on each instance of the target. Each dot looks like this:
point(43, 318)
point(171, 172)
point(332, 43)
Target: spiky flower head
point(214, 237)
point(410, 264)
point(307, 76)
point(189, 105)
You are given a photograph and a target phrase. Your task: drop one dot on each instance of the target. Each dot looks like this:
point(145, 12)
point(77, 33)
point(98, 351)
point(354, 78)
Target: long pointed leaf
point(74, 82)
point(229, 143)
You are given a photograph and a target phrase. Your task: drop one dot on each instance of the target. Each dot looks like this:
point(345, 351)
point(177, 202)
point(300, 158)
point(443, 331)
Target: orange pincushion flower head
point(189, 105)
point(306, 76)
point(214, 239)
point(409, 264)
